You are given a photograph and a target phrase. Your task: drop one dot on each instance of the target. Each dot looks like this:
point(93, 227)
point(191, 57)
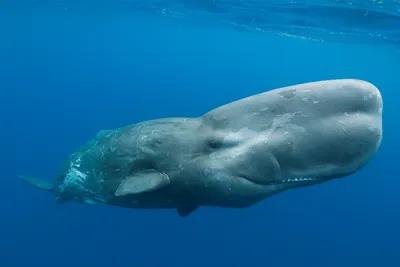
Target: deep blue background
point(65, 76)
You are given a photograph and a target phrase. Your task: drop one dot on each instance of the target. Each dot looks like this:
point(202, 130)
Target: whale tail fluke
point(38, 183)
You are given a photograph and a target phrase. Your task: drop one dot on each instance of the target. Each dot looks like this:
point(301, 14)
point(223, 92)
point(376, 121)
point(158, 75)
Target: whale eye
point(214, 143)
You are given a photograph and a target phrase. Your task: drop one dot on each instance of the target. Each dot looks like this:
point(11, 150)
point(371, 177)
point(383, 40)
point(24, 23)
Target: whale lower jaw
point(302, 180)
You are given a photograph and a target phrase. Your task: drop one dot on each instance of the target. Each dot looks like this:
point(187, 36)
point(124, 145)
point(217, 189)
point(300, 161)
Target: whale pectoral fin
point(142, 182)
point(186, 210)
point(37, 183)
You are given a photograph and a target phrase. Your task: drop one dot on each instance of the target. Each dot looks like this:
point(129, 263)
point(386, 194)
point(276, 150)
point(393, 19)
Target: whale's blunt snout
point(343, 134)
point(372, 98)
point(364, 121)
point(369, 95)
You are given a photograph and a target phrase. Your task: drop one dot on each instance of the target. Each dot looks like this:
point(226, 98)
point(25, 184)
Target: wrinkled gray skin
point(233, 156)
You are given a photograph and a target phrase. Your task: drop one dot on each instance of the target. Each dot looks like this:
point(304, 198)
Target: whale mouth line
point(295, 181)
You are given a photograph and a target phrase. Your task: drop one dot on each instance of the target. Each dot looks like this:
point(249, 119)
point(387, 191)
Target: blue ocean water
point(71, 68)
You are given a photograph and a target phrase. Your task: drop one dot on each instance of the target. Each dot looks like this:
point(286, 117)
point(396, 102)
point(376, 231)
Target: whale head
point(298, 135)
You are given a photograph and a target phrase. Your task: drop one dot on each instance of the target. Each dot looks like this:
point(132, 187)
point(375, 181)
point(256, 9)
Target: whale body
point(233, 156)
